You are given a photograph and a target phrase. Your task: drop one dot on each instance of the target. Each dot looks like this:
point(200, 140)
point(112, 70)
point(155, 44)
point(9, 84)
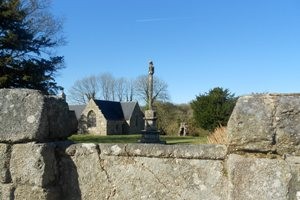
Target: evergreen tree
point(213, 108)
point(27, 35)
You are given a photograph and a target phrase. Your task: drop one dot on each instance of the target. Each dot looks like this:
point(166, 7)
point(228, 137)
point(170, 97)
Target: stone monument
point(150, 134)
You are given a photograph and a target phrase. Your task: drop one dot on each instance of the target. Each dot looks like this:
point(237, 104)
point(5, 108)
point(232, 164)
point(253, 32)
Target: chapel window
point(91, 119)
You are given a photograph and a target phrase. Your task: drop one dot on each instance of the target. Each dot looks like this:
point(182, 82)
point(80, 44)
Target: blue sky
point(245, 46)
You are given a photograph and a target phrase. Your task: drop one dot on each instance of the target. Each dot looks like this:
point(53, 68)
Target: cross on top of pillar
point(151, 68)
point(150, 85)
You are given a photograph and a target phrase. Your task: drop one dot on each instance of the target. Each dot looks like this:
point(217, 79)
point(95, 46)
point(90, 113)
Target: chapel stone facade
point(110, 118)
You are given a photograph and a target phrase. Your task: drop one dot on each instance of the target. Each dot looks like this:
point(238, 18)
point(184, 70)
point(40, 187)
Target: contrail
point(159, 19)
point(153, 19)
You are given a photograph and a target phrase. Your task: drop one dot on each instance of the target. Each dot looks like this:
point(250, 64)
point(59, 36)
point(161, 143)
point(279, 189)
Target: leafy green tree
point(213, 108)
point(28, 33)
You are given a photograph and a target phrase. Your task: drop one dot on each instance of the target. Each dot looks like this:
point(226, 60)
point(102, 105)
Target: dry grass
point(219, 136)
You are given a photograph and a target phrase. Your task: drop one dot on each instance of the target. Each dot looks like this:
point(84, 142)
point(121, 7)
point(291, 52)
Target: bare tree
point(120, 85)
point(124, 89)
point(42, 22)
point(113, 89)
point(83, 90)
point(107, 86)
point(160, 89)
point(130, 90)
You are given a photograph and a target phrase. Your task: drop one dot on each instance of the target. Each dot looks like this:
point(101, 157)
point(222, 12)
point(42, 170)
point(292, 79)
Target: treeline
point(107, 87)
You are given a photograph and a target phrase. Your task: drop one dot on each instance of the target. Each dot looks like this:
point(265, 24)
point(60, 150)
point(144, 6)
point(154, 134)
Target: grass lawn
point(87, 138)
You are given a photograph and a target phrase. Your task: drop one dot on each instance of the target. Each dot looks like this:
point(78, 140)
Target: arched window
point(91, 119)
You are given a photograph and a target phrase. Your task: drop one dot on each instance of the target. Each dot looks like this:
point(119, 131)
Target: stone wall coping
point(203, 151)
point(271, 94)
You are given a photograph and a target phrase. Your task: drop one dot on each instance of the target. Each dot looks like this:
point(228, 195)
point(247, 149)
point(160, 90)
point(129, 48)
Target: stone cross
point(150, 134)
point(150, 85)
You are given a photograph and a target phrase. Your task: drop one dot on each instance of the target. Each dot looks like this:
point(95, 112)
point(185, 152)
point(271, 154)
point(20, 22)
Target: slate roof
point(128, 108)
point(110, 109)
point(77, 109)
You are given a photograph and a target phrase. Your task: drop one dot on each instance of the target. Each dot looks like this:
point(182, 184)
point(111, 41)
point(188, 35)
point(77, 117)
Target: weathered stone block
point(22, 115)
point(6, 192)
point(86, 172)
point(266, 123)
point(27, 115)
point(34, 192)
point(250, 126)
point(258, 178)
point(4, 163)
point(287, 124)
point(33, 164)
point(82, 174)
point(205, 151)
point(163, 178)
point(61, 121)
point(294, 187)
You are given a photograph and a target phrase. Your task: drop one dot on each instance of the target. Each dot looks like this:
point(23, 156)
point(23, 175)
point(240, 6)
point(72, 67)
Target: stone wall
point(261, 161)
point(29, 122)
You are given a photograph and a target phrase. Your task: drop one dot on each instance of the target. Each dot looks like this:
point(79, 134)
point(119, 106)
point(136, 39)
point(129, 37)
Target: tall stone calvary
point(150, 85)
point(150, 134)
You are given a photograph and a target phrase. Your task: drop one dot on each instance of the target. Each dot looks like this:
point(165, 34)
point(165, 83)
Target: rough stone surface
point(86, 172)
point(61, 122)
point(6, 192)
point(33, 164)
point(258, 178)
point(287, 126)
point(35, 193)
point(294, 188)
point(27, 115)
point(266, 123)
point(22, 115)
point(164, 178)
point(4, 163)
point(82, 174)
point(210, 152)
